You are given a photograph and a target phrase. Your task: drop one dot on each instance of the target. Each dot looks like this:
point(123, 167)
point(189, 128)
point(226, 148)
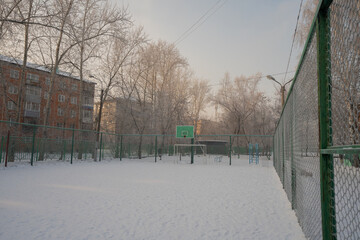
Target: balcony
point(88, 106)
point(32, 98)
point(87, 120)
point(33, 114)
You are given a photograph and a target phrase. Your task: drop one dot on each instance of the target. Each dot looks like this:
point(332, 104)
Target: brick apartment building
point(64, 108)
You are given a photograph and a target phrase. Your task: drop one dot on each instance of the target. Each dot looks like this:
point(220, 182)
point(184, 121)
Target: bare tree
point(199, 93)
point(62, 45)
point(23, 13)
point(16, 17)
point(170, 81)
point(6, 11)
point(96, 23)
point(138, 105)
point(238, 100)
point(116, 56)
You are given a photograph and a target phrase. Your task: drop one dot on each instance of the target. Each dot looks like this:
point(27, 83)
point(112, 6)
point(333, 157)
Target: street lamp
point(99, 117)
point(282, 88)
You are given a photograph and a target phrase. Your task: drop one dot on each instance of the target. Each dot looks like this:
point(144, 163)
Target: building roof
point(40, 68)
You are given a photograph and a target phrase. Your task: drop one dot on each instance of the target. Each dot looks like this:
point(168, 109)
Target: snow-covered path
point(144, 200)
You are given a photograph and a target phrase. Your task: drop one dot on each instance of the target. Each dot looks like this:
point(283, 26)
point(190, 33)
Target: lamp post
point(98, 118)
point(100, 107)
point(282, 88)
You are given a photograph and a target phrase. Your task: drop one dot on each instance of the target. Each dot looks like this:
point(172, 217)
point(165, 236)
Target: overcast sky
point(243, 37)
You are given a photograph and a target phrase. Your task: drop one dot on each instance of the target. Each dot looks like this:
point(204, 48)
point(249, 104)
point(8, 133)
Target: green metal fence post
point(230, 152)
point(86, 148)
point(100, 146)
point(72, 145)
point(129, 150)
point(324, 91)
point(283, 153)
point(292, 165)
point(192, 151)
point(155, 147)
point(33, 147)
point(1, 147)
point(64, 156)
point(103, 149)
point(117, 146)
point(81, 147)
point(273, 149)
point(7, 147)
point(38, 150)
point(121, 147)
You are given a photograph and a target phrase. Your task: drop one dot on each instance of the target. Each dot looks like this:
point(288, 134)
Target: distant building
point(198, 127)
point(118, 116)
point(64, 108)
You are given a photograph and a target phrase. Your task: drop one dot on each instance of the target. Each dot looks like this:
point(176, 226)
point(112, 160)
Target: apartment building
point(119, 116)
point(64, 104)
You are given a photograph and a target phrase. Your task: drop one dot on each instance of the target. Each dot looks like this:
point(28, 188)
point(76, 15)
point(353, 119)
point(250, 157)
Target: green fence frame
point(321, 26)
point(326, 160)
point(120, 143)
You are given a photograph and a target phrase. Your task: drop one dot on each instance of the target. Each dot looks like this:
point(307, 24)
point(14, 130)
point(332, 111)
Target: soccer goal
point(185, 150)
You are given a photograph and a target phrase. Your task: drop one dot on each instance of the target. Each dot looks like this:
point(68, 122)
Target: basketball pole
point(192, 151)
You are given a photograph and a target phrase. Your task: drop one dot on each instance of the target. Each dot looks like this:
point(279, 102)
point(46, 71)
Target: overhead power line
point(211, 11)
point(262, 76)
point(293, 40)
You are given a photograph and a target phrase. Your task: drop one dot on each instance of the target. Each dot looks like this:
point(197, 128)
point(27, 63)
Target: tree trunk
point(140, 145)
point(356, 160)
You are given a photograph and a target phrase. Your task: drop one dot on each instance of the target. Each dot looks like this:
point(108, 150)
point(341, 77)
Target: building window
point(32, 90)
point(62, 85)
point(14, 74)
point(46, 95)
point(88, 101)
point(13, 89)
point(72, 125)
point(32, 78)
point(74, 86)
point(87, 116)
point(31, 106)
point(72, 114)
point(60, 112)
point(88, 87)
point(47, 81)
point(61, 98)
point(11, 105)
point(73, 100)
point(60, 125)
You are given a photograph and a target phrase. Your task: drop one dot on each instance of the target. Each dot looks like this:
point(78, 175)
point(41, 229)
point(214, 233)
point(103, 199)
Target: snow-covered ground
point(140, 199)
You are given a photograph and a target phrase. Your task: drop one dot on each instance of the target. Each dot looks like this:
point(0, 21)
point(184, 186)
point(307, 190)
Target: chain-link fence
point(22, 142)
point(316, 143)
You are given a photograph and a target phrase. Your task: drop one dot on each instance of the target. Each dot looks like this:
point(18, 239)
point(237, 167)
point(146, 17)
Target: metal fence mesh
point(297, 149)
point(298, 157)
point(33, 143)
point(306, 145)
point(345, 71)
point(345, 114)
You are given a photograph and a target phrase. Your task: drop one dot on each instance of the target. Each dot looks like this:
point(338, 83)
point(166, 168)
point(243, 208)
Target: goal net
point(185, 149)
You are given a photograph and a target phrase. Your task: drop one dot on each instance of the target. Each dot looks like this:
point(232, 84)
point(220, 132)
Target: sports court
point(140, 199)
